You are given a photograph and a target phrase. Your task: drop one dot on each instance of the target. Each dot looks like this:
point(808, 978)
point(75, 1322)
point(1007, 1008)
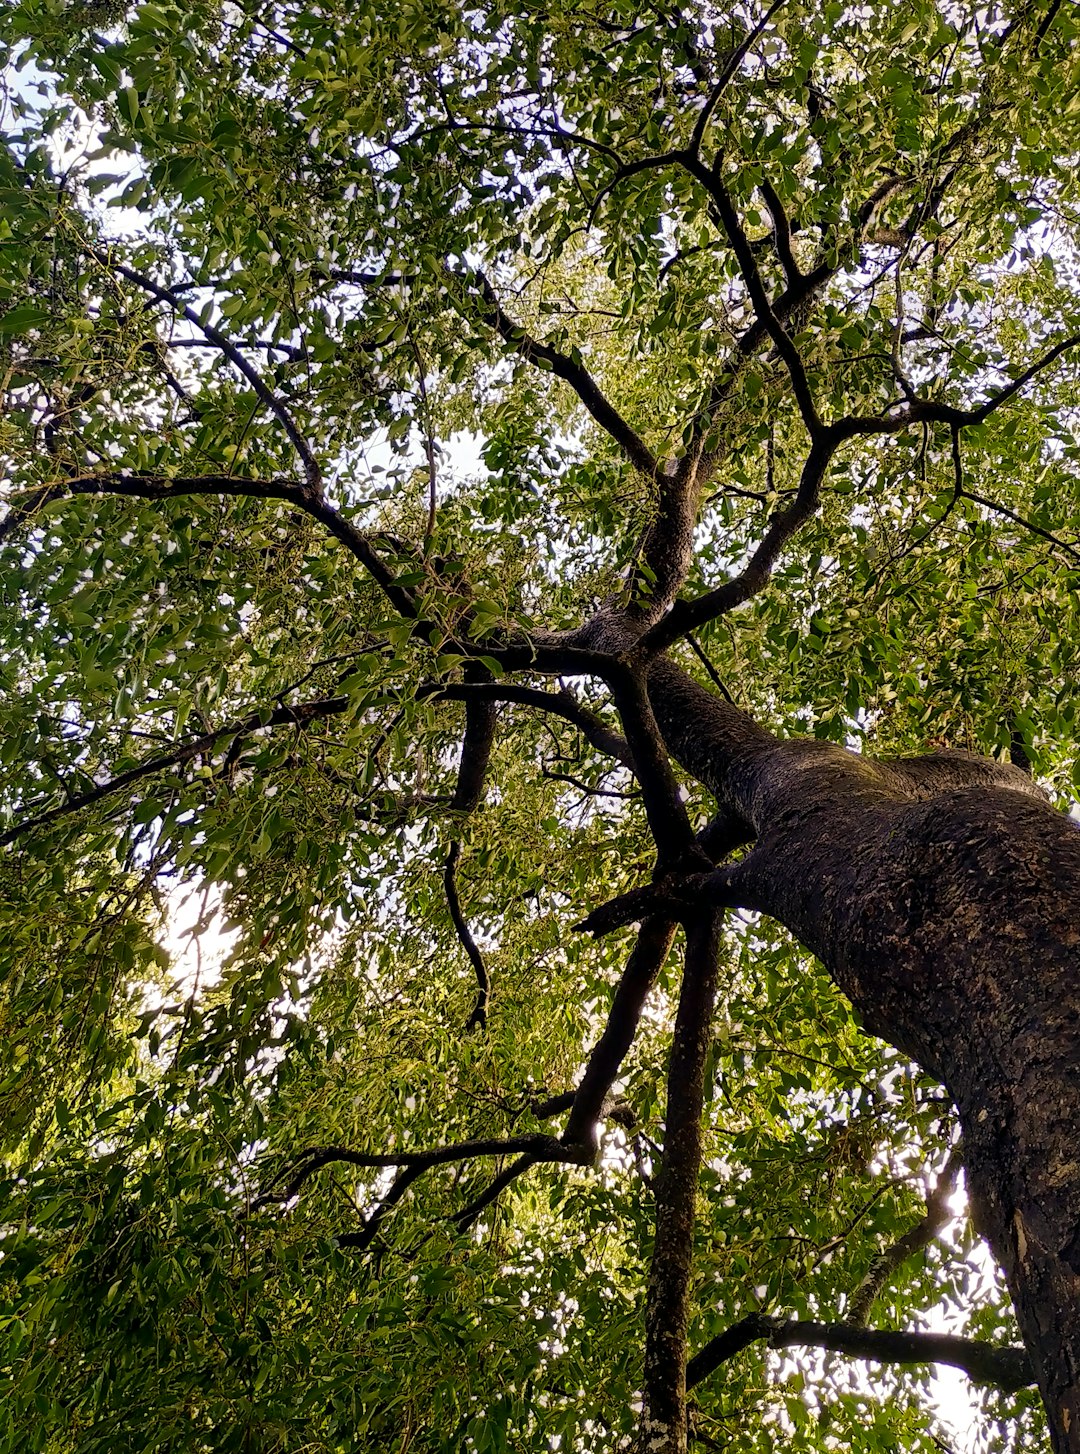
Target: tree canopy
point(352, 358)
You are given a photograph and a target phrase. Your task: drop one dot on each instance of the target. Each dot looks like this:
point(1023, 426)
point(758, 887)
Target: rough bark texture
point(667, 1313)
point(941, 893)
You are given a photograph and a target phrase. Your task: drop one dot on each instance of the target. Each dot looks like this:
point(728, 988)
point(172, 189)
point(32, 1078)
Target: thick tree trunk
point(943, 896)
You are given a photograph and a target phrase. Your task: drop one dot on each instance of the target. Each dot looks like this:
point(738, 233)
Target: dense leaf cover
point(374, 257)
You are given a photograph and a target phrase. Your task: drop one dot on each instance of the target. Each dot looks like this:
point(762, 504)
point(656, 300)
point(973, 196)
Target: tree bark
point(667, 1311)
point(942, 895)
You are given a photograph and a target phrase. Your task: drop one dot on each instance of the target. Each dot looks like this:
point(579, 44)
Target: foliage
point(284, 283)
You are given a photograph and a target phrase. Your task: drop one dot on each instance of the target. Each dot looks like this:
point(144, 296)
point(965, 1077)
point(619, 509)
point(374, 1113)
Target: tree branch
point(730, 66)
point(571, 370)
point(562, 703)
point(667, 1309)
point(710, 179)
point(644, 964)
point(312, 470)
point(174, 487)
point(917, 1238)
point(478, 1018)
point(687, 615)
point(297, 716)
point(1008, 1367)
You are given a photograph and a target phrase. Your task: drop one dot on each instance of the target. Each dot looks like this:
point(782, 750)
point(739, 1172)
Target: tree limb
point(478, 1018)
point(297, 716)
point(918, 1237)
point(644, 964)
point(562, 703)
point(1008, 1367)
point(312, 470)
point(571, 370)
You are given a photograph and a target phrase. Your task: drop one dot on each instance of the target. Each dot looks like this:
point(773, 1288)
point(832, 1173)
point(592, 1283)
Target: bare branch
point(645, 962)
point(1008, 1367)
point(731, 65)
point(478, 1017)
point(562, 703)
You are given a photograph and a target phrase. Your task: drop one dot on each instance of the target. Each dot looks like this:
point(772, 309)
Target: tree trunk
point(942, 895)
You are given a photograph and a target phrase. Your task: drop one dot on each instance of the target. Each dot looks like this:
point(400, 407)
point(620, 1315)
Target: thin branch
point(710, 179)
point(781, 234)
point(468, 1214)
point(571, 370)
point(918, 1237)
point(687, 615)
point(291, 1181)
point(731, 65)
point(478, 1017)
point(562, 703)
point(173, 487)
point(1021, 521)
point(536, 1148)
point(1008, 1367)
point(584, 787)
point(714, 675)
point(312, 470)
point(297, 716)
point(644, 964)
point(947, 414)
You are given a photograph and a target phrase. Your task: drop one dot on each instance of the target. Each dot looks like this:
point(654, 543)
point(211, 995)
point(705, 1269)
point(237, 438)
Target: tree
point(478, 483)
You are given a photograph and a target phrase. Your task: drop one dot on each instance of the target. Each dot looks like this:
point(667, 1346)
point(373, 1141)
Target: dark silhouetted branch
point(925, 1230)
point(298, 716)
point(1008, 1368)
point(562, 703)
point(312, 471)
point(478, 1017)
point(571, 370)
point(645, 962)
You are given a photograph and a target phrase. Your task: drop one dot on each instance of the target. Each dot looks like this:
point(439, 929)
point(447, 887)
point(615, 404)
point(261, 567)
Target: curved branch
point(315, 1158)
point(1009, 1368)
point(562, 703)
point(918, 1237)
point(711, 181)
point(312, 470)
point(687, 615)
point(644, 964)
point(174, 487)
point(478, 1017)
point(731, 65)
